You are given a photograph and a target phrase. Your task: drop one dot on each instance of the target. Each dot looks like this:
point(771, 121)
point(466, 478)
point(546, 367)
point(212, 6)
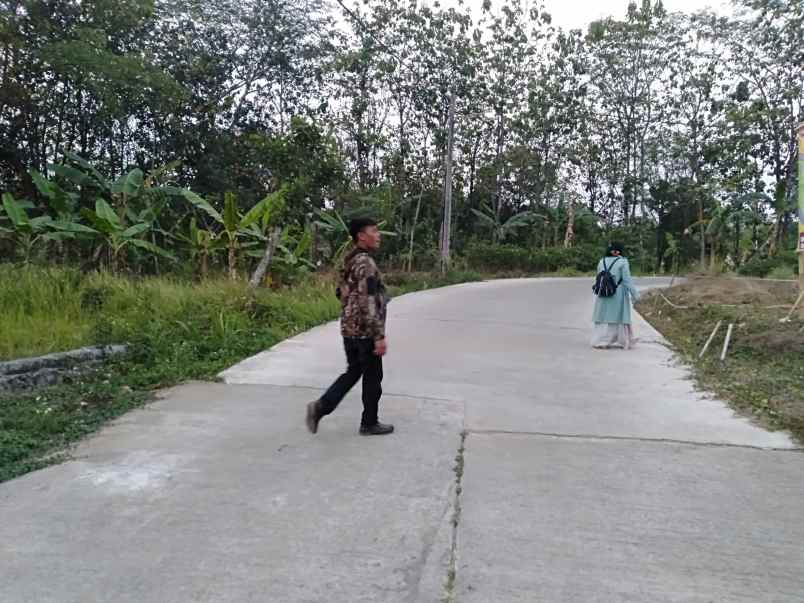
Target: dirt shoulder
point(763, 374)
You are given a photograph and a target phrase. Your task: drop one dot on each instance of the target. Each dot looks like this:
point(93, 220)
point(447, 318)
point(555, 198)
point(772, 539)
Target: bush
point(784, 265)
point(510, 258)
point(757, 266)
point(498, 258)
point(554, 259)
point(785, 273)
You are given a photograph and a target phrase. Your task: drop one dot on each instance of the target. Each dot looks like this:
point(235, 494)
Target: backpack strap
point(608, 269)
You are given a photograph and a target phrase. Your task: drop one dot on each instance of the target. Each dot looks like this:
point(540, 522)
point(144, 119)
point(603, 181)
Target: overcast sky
point(577, 14)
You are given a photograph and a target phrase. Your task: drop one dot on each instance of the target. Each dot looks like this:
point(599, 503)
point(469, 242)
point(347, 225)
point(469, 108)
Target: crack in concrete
point(592, 437)
point(314, 388)
point(450, 596)
point(414, 574)
point(498, 323)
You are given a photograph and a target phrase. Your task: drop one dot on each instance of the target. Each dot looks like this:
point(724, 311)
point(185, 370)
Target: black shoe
point(376, 429)
point(313, 416)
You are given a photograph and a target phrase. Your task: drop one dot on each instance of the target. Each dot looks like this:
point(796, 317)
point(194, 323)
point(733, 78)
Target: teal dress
point(612, 315)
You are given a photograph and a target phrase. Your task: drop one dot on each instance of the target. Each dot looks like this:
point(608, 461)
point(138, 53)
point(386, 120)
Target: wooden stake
point(793, 309)
point(711, 337)
point(672, 304)
point(726, 343)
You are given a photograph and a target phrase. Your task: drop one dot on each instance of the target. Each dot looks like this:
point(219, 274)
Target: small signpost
point(801, 214)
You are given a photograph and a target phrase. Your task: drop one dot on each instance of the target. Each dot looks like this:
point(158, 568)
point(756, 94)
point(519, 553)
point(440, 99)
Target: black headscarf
point(615, 247)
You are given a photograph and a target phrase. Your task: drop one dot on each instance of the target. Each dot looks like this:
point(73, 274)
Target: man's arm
point(368, 282)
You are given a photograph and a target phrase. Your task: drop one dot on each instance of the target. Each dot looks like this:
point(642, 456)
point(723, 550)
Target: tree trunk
point(413, 228)
point(473, 172)
point(660, 242)
point(498, 164)
point(775, 235)
point(268, 256)
point(204, 264)
point(232, 260)
point(703, 230)
point(713, 256)
point(156, 258)
point(447, 223)
point(569, 235)
point(314, 242)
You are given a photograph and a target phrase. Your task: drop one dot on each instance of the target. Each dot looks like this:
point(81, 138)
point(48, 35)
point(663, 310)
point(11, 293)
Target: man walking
point(363, 302)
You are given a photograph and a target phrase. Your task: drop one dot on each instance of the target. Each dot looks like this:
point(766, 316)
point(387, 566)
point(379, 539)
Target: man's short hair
point(358, 225)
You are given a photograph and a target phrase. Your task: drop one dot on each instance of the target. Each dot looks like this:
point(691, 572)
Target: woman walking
point(613, 311)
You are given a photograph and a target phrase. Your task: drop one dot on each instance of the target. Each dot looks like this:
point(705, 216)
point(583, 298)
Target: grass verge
point(763, 375)
point(176, 331)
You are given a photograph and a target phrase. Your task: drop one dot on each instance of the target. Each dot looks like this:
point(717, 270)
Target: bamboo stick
point(727, 342)
point(709, 341)
point(793, 309)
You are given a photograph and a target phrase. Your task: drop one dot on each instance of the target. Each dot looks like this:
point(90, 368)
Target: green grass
point(177, 331)
point(40, 311)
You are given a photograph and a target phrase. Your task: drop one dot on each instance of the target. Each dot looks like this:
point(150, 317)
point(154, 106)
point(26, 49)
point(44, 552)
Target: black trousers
point(361, 362)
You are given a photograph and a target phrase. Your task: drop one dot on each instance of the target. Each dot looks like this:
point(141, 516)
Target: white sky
point(578, 14)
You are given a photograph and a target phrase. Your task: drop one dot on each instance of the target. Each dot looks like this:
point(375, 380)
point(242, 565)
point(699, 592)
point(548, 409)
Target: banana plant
point(672, 251)
point(27, 232)
point(126, 210)
point(286, 250)
point(202, 244)
point(269, 213)
point(334, 224)
point(64, 205)
point(499, 229)
point(131, 188)
point(238, 230)
point(118, 235)
point(6, 226)
point(294, 249)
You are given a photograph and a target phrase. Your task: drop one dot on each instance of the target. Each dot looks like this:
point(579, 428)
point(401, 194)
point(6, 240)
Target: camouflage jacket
point(363, 299)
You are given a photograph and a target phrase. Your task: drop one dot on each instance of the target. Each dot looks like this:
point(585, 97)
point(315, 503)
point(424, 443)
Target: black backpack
point(604, 283)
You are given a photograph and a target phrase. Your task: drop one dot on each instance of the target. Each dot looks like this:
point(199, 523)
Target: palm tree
point(501, 229)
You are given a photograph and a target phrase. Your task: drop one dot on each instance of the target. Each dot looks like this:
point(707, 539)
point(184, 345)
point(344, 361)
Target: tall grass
point(47, 310)
point(41, 312)
point(176, 330)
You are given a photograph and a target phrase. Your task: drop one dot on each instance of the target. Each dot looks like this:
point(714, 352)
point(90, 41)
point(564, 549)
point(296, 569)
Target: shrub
point(498, 258)
point(783, 272)
point(510, 258)
point(554, 259)
point(785, 264)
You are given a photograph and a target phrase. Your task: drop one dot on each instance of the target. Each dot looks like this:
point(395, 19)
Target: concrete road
point(526, 467)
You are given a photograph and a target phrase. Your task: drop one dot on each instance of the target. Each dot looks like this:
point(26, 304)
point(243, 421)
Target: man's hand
point(380, 347)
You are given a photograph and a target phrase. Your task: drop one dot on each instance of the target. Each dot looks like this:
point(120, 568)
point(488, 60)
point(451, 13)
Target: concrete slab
point(517, 353)
point(579, 520)
point(218, 493)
